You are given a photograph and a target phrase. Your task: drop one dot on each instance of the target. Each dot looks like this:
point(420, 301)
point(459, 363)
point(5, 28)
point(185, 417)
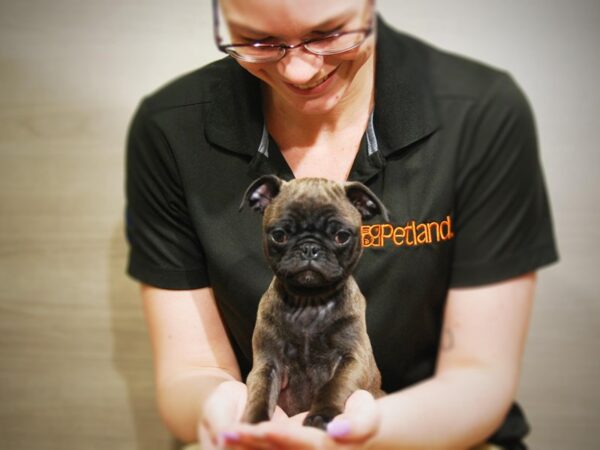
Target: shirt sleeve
point(503, 223)
point(164, 249)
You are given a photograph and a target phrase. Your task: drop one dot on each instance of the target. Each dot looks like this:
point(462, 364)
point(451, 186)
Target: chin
point(321, 104)
point(325, 103)
point(309, 278)
point(329, 99)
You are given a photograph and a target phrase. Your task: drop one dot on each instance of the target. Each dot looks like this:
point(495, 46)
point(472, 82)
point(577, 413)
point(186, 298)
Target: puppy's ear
point(365, 200)
point(261, 192)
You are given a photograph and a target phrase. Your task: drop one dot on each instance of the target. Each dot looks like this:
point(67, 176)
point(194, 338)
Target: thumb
point(222, 409)
point(359, 421)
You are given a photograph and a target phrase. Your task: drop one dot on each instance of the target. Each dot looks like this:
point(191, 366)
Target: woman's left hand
point(350, 430)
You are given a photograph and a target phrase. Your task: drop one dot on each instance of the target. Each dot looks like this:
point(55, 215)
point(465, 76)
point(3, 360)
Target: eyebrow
point(346, 15)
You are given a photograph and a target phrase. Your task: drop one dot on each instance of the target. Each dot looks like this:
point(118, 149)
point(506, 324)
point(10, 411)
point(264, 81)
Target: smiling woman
point(328, 89)
point(326, 47)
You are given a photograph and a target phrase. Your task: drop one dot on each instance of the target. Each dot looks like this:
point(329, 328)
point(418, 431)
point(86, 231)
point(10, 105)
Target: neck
point(290, 126)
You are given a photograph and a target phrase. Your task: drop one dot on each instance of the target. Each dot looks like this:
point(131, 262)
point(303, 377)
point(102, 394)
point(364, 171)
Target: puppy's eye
point(279, 236)
point(341, 237)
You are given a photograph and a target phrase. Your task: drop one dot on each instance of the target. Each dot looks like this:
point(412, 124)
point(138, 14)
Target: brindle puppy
point(310, 344)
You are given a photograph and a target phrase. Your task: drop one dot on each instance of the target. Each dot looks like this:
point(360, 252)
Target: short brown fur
point(310, 345)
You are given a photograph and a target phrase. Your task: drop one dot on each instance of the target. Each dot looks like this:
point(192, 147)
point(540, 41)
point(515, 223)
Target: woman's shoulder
point(191, 88)
point(447, 71)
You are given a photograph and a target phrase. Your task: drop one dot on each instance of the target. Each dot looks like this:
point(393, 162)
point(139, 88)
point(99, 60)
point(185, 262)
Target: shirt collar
point(404, 108)
point(235, 119)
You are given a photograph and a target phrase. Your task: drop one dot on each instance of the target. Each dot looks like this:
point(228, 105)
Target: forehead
point(313, 199)
point(287, 17)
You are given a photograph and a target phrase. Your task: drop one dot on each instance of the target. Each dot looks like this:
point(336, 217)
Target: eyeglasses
point(261, 52)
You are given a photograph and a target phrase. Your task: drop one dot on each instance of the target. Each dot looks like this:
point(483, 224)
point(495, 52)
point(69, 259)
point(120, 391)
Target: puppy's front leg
point(332, 396)
point(264, 385)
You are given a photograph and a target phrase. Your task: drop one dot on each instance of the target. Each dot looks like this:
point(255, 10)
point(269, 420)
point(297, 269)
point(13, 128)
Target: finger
point(299, 418)
point(250, 436)
point(243, 446)
point(359, 421)
point(223, 408)
point(293, 436)
point(206, 443)
point(251, 442)
point(279, 415)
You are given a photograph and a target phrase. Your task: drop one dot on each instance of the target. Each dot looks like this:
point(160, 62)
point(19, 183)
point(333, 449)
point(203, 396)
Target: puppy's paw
point(320, 419)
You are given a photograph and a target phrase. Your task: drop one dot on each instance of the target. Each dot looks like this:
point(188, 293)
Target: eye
point(341, 237)
point(279, 236)
point(331, 31)
point(260, 40)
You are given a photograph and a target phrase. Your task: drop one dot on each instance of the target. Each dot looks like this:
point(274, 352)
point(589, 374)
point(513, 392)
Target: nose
point(310, 250)
point(299, 66)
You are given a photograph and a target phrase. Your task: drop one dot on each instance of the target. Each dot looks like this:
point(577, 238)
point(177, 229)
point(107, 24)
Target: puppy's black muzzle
point(310, 250)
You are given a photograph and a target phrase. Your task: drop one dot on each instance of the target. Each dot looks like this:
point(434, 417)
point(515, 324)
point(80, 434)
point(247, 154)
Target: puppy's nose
point(310, 250)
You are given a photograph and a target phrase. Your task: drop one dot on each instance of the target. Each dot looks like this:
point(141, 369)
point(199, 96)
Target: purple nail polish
point(229, 436)
point(338, 428)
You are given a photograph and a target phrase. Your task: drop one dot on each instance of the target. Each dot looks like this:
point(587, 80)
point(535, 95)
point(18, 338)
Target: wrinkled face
point(311, 244)
point(311, 228)
point(308, 83)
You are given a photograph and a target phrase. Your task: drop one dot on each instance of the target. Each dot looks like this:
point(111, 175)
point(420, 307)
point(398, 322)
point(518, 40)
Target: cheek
point(273, 251)
point(366, 51)
point(355, 58)
point(269, 249)
point(352, 251)
point(258, 70)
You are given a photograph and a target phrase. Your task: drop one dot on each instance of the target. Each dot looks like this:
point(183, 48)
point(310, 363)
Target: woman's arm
point(192, 354)
point(477, 374)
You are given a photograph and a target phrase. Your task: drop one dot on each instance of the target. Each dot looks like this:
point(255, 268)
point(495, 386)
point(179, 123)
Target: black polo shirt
point(451, 150)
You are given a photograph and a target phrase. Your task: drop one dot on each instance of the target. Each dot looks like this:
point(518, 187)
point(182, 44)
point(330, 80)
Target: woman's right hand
point(222, 409)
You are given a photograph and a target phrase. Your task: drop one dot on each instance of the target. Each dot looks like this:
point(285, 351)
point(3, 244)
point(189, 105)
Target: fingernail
point(228, 436)
point(337, 428)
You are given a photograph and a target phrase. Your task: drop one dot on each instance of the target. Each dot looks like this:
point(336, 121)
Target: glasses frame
point(283, 48)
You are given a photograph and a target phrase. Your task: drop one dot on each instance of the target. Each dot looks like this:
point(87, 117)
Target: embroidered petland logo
point(411, 234)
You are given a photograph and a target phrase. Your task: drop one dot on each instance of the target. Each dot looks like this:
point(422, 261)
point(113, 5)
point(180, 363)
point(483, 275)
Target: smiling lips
point(310, 86)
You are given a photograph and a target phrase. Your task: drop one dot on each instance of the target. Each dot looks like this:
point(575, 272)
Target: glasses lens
point(337, 44)
point(255, 54)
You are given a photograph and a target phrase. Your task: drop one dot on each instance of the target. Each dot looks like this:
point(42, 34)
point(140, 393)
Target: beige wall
point(75, 365)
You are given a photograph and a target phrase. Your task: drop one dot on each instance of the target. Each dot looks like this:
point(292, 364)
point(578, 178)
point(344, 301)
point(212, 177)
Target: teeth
point(313, 84)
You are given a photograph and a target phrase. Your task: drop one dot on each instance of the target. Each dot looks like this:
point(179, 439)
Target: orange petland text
point(411, 234)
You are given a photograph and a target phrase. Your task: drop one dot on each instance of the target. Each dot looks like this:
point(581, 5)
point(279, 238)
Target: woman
point(449, 146)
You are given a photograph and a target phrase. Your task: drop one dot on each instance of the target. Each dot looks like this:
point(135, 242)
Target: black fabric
point(457, 167)
point(512, 431)
point(164, 247)
point(503, 225)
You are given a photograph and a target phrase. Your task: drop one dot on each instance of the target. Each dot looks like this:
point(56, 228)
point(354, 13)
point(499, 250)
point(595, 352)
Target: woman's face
point(309, 83)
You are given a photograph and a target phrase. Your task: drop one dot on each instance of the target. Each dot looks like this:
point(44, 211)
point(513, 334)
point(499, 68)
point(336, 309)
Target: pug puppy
point(310, 345)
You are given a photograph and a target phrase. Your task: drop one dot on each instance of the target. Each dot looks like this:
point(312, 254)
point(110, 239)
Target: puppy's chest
point(306, 333)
